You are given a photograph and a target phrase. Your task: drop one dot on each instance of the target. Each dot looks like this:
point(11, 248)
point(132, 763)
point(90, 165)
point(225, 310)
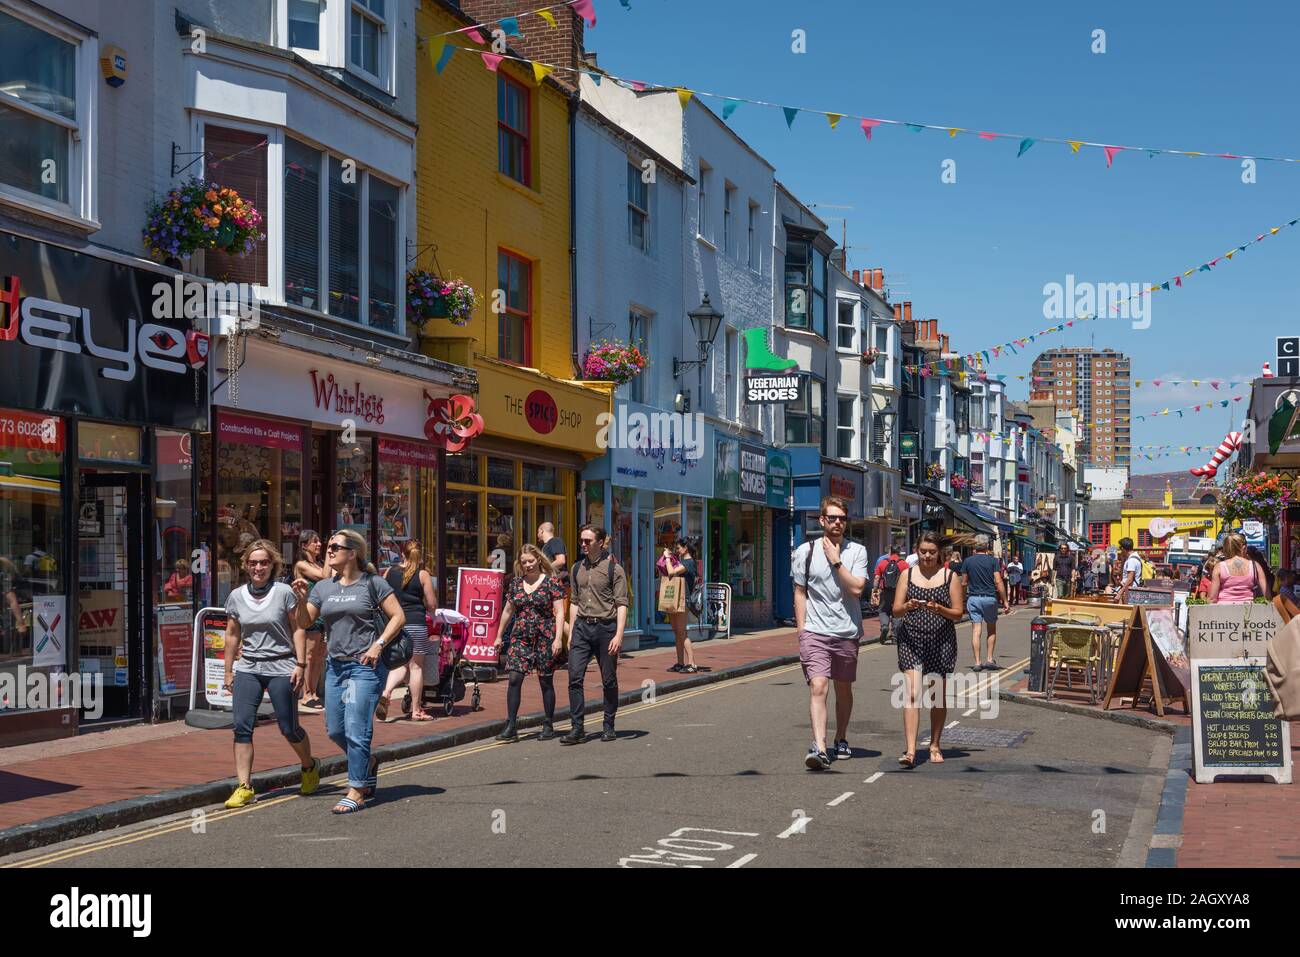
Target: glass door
point(111, 637)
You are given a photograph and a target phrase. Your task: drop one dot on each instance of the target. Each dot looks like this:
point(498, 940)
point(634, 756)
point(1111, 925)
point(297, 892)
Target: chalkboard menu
point(1234, 730)
point(1150, 596)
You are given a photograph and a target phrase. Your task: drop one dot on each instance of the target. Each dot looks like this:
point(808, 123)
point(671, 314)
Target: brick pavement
point(42, 780)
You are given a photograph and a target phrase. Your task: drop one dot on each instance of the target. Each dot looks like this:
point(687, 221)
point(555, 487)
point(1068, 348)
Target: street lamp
point(706, 321)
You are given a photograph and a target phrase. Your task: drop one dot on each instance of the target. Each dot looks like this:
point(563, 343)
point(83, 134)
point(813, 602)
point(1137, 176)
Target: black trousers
point(591, 639)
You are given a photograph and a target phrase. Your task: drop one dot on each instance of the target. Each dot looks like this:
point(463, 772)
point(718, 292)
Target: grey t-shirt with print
point(829, 610)
point(265, 630)
point(351, 625)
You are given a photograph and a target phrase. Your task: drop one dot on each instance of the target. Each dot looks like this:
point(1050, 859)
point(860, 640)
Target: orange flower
point(210, 196)
point(214, 222)
point(217, 209)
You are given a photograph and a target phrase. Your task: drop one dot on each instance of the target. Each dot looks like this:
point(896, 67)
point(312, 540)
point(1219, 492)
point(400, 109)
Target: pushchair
point(451, 630)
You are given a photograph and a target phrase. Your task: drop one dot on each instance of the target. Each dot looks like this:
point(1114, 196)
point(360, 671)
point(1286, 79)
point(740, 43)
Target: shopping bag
point(672, 596)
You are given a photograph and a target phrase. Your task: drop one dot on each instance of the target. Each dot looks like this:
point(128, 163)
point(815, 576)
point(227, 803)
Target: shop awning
point(959, 512)
point(1005, 528)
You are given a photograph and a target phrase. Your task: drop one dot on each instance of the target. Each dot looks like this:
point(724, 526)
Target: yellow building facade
point(1143, 523)
point(493, 174)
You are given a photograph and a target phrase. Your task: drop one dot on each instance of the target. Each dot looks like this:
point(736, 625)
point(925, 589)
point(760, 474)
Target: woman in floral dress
point(534, 606)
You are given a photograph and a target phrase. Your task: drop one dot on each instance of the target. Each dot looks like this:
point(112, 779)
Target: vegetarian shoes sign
point(769, 379)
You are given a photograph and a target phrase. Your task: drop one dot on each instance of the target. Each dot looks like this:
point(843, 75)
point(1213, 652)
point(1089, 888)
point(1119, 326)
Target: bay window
point(805, 286)
point(47, 94)
point(369, 39)
point(804, 419)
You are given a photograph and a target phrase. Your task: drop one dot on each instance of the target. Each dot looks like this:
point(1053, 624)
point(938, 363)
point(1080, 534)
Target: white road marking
point(796, 828)
point(951, 724)
point(967, 713)
point(741, 861)
point(840, 800)
point(874, 778)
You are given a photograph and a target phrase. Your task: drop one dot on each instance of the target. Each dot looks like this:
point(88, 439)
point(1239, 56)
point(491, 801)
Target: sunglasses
point(588, 541)
point(835, 518)
point(334, 547)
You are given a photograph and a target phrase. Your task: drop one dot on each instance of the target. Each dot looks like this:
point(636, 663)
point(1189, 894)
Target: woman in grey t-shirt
point(355, 636)
point(264, 654)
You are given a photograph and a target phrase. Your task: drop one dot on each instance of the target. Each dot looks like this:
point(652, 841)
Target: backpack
point(889, 577)
point(807, 565)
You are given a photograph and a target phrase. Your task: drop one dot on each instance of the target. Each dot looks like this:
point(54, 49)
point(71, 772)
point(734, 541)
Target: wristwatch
point(836, 566)
point(381, 642)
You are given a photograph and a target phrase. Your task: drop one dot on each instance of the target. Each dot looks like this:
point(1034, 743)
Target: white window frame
point(387, 46)
point(752, 253)
point(273, 221)
point(643, 383)
point(634, 170)
point(851, 427)
point(331, 34)
point(728, 194)
point(731, 373)
point(854, 306)
point(82, 208)
point(702, 202)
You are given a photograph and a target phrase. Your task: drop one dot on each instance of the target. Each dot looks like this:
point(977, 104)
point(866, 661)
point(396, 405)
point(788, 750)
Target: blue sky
point(977, 253)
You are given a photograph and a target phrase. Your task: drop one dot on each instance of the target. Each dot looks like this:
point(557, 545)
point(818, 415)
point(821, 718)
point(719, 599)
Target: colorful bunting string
point(510, 25)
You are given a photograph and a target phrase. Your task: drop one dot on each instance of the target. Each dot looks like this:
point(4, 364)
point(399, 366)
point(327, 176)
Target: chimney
point(878, 280)
point(907, 311)
point(562, 46)
point(944, 337)
point(857, 277)
point(898, 312)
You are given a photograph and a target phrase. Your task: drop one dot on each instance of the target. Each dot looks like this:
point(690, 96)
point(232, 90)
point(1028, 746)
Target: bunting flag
point(541, 71)
point(1110, 152)
point(1203, 407)
point(1024, 145)
point(585, 9)
point(491, 60)
point(790, 113)
point(548, 17)
point(437, 47)
point(729, 107)
point(868, 126)
point(834, 119)
point(684, 96)
point(510, 26)
point(445, 58)
point(475, 36)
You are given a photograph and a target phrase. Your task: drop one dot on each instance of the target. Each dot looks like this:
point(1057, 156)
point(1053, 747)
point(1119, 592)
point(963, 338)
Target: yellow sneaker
point(311, 778)
point(243, 796)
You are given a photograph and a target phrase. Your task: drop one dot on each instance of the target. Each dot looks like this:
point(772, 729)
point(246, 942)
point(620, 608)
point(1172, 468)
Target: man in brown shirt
point(597, 616)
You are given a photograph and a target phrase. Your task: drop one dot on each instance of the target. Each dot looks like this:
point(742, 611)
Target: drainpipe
point(573, 232)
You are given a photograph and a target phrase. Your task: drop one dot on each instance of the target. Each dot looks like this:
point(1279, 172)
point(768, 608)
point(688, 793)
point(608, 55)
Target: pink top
point(1235, 589)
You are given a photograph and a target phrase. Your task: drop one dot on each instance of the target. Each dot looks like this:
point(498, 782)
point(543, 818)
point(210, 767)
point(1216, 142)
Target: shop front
point(307, 442)
point(741, 529)
point(780, 499)
point(650, 489)
point(100, 401)
point(815, 478)
point(539, 434)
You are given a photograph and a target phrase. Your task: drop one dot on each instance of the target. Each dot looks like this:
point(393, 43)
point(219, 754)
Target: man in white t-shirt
point(1132, 569)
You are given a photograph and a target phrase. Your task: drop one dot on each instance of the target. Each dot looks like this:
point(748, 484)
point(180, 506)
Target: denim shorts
point(982, 608)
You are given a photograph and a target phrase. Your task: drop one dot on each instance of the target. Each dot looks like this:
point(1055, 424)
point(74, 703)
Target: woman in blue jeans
point(355, 673)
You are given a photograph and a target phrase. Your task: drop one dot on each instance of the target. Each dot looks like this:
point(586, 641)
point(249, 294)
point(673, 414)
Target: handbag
point(398, 651)
point(671, 595)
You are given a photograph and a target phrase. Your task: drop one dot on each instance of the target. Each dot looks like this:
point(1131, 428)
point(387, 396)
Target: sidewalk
point(1225, 824)
point(69, 777)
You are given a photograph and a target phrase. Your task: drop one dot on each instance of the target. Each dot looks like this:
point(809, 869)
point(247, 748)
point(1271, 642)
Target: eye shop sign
point(770, 389)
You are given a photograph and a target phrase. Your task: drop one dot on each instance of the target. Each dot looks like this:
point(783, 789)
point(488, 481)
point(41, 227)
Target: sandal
point(908, 760)
point(677, 668)
point(381, 709)
point(936, 756)
point(690, 670)
point(421, 715)
point(372, 779)
point(347, 806)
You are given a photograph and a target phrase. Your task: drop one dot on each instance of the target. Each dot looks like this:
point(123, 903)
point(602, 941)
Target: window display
point(354, 500)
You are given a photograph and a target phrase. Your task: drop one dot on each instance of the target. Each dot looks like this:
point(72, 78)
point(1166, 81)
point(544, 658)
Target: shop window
point(174, 577)
point(237, 159)
point(404, 467)
point(501, 473)
point(744, 551)
point(353, 493)
point(502, 536)
point(32, 584)
point(462, 468)
point(46, 100)
point(622, 518)
point(595, 510)
point(460, 514)
point(257, 491)
point(513, 135)
point(97, 442)
point(514, 326)
point(541, 478)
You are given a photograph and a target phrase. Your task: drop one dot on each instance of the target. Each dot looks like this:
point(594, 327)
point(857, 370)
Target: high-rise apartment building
point(1098, 385)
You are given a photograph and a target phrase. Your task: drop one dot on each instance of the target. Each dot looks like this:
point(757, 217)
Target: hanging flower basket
point(960, 483)
point(201, 215)
point(934, 472)
point(1260, 497)
point(613, 362)
point(430, 297)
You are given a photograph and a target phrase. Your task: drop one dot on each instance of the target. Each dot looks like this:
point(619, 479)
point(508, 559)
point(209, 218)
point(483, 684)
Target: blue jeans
point(352, 693)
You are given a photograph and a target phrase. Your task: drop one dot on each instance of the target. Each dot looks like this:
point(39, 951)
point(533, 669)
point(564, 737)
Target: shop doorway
point(113, 630)
point(646, 556)
point(782, 584)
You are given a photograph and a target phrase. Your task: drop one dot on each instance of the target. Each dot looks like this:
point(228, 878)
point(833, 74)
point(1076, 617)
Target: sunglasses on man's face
point(336, 547)
point(588, 541)
point(835, 518)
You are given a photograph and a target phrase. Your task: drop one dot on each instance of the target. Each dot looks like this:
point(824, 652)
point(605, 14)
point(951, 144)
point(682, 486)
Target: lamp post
point(706, 321)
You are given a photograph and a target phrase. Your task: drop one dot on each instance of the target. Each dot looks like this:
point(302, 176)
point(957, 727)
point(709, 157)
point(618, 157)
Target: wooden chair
point(1074, 646)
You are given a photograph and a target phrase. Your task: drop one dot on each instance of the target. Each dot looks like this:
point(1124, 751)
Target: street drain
point(979, 738)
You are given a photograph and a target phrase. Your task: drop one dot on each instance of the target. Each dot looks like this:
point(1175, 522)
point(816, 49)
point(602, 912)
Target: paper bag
point(672, 594)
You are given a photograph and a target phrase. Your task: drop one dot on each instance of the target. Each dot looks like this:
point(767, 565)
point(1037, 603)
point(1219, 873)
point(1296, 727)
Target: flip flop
point(936, 760)
point(908, 760)
point(348, 805)
point(372, 778)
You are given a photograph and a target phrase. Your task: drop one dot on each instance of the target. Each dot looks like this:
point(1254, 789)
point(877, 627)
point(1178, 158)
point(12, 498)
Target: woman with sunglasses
point(932, 600)
point(264, 654)
point(355, 673)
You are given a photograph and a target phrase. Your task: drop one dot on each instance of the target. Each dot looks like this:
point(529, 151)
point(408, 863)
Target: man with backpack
point(830, 576)
point(888, 571)
point(1132, 570)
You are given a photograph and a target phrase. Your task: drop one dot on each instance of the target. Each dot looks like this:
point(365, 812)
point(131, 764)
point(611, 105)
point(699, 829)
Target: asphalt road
point(712, 777)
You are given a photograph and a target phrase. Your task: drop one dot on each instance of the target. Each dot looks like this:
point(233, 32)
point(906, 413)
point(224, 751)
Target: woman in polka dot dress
point(930, 601)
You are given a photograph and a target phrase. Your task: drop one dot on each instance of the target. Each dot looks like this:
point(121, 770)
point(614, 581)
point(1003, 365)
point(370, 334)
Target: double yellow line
point(187, 823)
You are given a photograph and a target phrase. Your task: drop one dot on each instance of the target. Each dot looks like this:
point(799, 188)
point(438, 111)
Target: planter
point(439, 309)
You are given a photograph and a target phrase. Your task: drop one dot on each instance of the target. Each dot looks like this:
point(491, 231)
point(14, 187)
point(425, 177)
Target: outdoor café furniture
point(1074, 646)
